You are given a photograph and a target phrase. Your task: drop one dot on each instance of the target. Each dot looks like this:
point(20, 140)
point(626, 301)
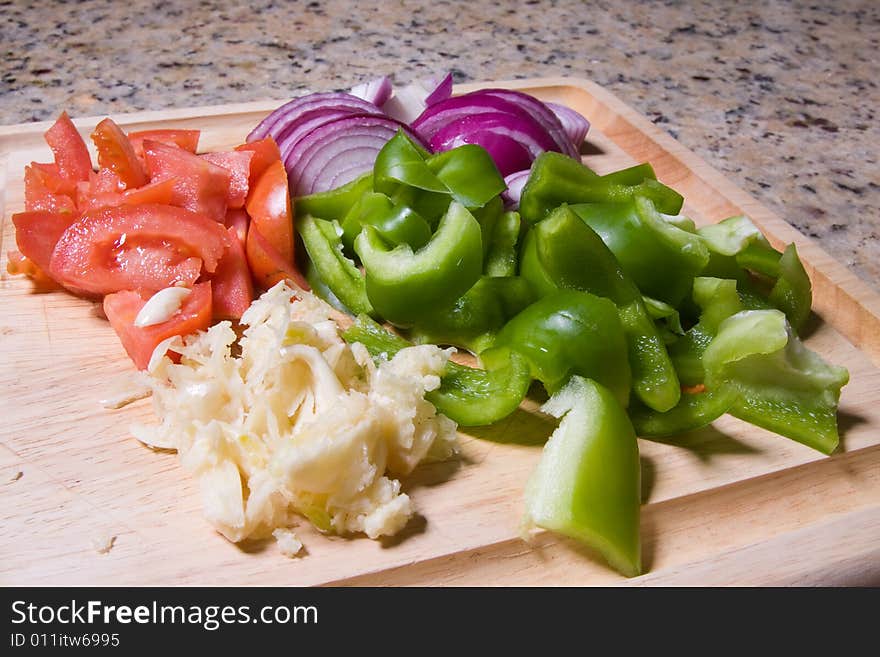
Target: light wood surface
point(730, 504)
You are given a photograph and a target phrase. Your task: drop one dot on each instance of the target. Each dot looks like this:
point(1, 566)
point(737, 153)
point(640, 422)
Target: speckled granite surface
point(781, 96)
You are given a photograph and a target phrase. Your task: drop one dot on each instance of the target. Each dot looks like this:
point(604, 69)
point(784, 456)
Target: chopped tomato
point(37, 233)
point(160, 193)
point(201, 186)
point(238, 220)
point(136, 247)
point(238, 163)
point(267, 266)
point(188, 140)
point(232, 288)
point(17, 264)
point(270, 210)
point(55, 182)
point(266, 152)
point(123, 307)
point(40, 193)
point(71, 154)
point(116, 154)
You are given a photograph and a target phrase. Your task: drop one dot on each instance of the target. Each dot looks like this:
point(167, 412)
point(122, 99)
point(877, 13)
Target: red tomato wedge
point(123, 307)
point(265, 153)
point(271, 212)
point(37, 233)
point(233, 290)
point(41, 191)
point(267, 266)
point(136, 247)
point(188, 140)
point(160, 193)
point(238, 163)
point(115, 153)
point(201, 186)
point(71, 154)
point(238, 220)
point(54, 181)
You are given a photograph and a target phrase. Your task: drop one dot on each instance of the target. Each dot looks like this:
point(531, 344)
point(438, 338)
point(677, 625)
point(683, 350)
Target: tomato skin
point(232, 288)
point(42, 191)
point(266, 264)
point(161, 193)
point(136, 247)
point(123, 307)
point(115, 153)
point(271, 212)
point(37, 233)
point(238, 163)
point(188, 140)
point(201, 186)
point(266, 152)
point(71, 154)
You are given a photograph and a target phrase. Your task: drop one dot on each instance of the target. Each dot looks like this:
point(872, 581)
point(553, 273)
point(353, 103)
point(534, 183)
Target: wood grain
point(730, 504)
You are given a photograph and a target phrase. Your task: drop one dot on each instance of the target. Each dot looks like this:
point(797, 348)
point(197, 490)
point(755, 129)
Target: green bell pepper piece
point(718, 299)
point(556, 179)
point(321, 289)
point(469, 173)
point(333, 205)
point(470, 396)
point(568, 254)
point(661, 259)
point(632, 175)
point(501, 253)
point(475, 318)
point(403, 285)
point(782, 385)
point(792, 293)
point(488, 217)
point(695, 410)
point(587, 483)
point(402, 162)
point(396, 223)
point(572, 332)
point(324, 247)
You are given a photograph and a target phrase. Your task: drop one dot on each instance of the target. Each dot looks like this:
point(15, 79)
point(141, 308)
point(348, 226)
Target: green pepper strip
point(783, 386)
point(395, 223)
point(568, 254)
point(470, 396)
point(694, 411)
point(587, 483)
point(475, 318)
point(661, 259)
point(403, 286)
point(334, 204)
point(632, 175)
point(340, 275)
point(572, 332)
point(501, 255)
point(556, 179)
point(792, 293)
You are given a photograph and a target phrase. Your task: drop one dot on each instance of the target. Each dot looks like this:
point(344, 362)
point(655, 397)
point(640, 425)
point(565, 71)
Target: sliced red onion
point(411, 100)
point(541, 113)
point(512, 142)
point(515, 183)
point(574, 123)
point(376, 91)
point(442, 91)
point(289, 113)
point(290, 136)
point(439, 115)
point(337, 152)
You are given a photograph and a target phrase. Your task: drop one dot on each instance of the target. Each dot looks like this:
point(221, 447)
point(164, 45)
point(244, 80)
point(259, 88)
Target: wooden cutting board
point(731, 504)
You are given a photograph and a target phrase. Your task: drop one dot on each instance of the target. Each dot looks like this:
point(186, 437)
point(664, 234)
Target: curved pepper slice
point(501, 252)
point(695, 410)
point(783, 386)
point(475, 318)
point(587, 483)
point(572, 332)
point(556, 179)
point(470, 396)
point(334, 204)
point(338, 273)
point(402, 285)
point(569, 254)
point(395, 223)
point(661, 259)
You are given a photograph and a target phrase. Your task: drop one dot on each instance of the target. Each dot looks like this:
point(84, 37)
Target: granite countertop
point(780, 96)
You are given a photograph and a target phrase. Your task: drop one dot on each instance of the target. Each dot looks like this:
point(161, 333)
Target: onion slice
point(540, 113)
point(515, 183)
point(574, 123)
point(442, 91)
point(410, 101)
point(376, 91)
point(292, 111)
